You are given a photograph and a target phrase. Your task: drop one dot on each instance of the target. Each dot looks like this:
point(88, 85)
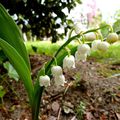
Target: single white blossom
point(59, 80)
point(103, 46)
point(80, 57)
point(44, 80)
point(69, 62)
point(95, 44)
point(90, 36)
point(78, 27)
point(56, 70)
point(112, 37)
point(83, 49)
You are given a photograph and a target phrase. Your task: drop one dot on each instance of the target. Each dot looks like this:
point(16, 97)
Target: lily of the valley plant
point(11, 42)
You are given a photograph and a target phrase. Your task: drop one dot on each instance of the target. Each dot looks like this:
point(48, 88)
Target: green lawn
point(48, 48)
point(112, 55)
point(45, 47)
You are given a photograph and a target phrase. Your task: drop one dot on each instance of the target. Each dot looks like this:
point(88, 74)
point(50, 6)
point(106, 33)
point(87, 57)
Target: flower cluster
point(83, 51)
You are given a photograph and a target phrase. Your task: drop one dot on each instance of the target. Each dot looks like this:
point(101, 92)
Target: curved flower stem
point(70, 33)
point(67, 42)
point(111, 28)
point(68, 51)
point(96, 34)
point(55, 60)
point(83, 38)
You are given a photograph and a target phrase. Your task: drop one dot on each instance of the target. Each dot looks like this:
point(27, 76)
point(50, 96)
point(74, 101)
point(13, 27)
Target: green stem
point(96, 34)
point(111, 29)
point(68, 51)
point(83, 38)
point(55, 60)
point(70, 33)
point(37, 101)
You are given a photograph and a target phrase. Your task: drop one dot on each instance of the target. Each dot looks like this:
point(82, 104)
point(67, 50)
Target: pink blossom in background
point(91, 9)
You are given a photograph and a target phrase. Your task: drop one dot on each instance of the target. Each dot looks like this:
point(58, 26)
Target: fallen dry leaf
point(89, 116)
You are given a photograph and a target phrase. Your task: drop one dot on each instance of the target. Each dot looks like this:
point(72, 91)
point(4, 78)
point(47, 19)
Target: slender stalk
point(70, 33)
point(37, 100)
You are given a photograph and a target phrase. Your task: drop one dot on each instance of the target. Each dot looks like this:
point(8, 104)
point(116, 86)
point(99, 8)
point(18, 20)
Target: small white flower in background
point(78, 27)
point(103, 46)
point(44, 80)
point(90, 36)
point(69, 62)
point(59, 80)
point(83, 49)
point(112, 37)
point(80, 57)
point(95, 44)
point(56, 70)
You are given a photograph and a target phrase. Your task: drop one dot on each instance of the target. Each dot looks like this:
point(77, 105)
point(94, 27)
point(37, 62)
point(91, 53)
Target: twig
point(58, 117)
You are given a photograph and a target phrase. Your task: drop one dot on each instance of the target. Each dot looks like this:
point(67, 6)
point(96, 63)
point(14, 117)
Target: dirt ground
point(92, 92)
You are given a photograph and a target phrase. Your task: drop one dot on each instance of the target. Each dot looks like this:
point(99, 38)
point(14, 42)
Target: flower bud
point(84, 49)
point(112, 37)
point(95, 44)
point(56, 70)
point(69, 62)
point(44, 80)
point(80, 57)
point(103, 46)
point(59, 80)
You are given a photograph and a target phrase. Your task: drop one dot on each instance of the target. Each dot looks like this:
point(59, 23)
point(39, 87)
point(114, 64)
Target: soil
point(92, 92)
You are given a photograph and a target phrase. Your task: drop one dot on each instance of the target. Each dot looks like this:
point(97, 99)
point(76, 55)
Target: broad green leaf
point(2, 57)
point(10, 32)
point(19, 64)
point(116, 26)
point(104, 30)
point(11, 71)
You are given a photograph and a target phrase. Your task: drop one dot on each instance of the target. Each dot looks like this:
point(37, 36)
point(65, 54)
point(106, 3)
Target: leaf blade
point(19, 64)
point(10, 33)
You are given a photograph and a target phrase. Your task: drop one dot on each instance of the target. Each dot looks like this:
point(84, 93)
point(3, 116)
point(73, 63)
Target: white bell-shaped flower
point(90, 36)
point(95, 44)
point(80, 57)
point(84, 49)
point(69, 62)
point(44, 80)
point(103, 46)
point(59, 80)
point(112, 37)
point(78, 27)
point(56, 70)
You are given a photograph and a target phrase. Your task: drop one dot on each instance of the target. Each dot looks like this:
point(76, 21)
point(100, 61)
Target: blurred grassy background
point(48, 48)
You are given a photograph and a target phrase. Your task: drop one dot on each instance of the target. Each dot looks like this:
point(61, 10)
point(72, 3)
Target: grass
point(111, 56)
point(46, 47)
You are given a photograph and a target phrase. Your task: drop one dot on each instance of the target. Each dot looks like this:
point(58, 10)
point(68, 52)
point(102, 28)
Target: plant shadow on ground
point(89, 94)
